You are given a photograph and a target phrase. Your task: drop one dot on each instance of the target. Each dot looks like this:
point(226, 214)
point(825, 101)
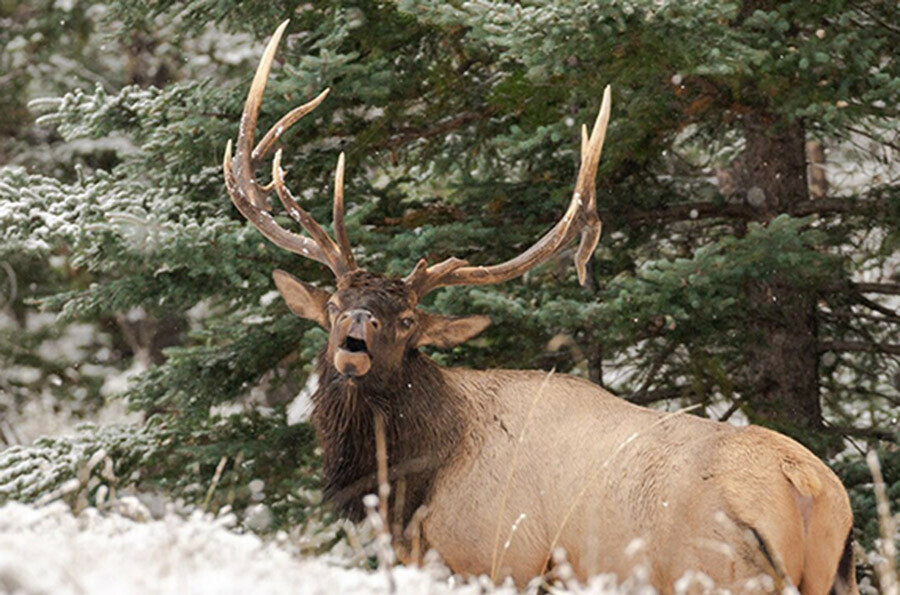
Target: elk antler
point(580, 216)
point(250, 198)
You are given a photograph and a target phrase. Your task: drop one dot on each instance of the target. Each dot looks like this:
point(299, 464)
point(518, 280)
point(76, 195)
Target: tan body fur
point(594, 473)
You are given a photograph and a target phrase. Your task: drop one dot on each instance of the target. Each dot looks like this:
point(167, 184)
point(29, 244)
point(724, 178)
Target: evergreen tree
point(723, 278)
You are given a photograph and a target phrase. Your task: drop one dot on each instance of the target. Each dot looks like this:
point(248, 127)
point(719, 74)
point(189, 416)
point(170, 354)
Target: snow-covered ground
point(48, 550)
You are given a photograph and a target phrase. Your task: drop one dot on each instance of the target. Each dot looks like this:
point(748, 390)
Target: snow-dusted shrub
point(74, 465)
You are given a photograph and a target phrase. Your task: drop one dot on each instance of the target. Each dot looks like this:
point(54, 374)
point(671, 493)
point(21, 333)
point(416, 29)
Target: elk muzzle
point(355, 333)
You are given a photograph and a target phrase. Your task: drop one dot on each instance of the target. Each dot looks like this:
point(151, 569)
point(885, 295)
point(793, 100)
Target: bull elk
point(498, 468)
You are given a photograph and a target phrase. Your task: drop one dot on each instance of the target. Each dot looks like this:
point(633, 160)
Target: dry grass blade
point(378, 506)
point(416, 553)
point(214, 483)
point(887, 569)
point(383, 549)
point(495, 559)
point(384, 487)
point(399, 505)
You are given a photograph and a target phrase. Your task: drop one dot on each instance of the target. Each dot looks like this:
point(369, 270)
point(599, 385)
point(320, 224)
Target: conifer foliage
point(731, 274)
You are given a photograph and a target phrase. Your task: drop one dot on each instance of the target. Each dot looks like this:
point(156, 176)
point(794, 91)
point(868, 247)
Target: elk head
point(373, 321)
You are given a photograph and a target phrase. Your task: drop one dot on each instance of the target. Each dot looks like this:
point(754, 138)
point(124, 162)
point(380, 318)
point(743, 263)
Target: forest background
point(748, 190)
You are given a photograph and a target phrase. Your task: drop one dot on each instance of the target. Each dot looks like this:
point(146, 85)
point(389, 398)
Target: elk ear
point(448, 331)
point(304, 300)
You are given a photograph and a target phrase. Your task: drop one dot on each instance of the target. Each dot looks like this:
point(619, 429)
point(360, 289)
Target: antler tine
point(424, 278)
point(335, 259)
point(580, 216)
point(275, 133)
point(337, 218)
point(586, 186)
point(262, 220)
point(250, 198)
point(249, 117)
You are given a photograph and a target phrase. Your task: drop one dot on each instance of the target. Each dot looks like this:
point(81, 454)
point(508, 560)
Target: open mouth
point(354, 345)
point(352, 358)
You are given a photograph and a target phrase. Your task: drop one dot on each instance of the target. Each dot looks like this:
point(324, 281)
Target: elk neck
point(424, 420)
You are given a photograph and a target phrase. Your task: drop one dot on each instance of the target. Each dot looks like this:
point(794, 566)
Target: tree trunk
point(783, 379)
point(783, 360)
point(774, 164)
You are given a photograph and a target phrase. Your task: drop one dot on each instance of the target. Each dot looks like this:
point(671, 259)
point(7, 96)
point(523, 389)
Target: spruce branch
point(859, 346)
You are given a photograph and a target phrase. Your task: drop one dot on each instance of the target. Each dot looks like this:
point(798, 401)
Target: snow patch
point(300, 409)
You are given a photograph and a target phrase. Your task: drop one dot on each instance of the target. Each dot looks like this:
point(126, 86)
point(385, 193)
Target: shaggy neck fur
point(424, 420)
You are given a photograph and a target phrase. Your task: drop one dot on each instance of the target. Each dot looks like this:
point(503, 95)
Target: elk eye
point(406, 322)
point(332, 309)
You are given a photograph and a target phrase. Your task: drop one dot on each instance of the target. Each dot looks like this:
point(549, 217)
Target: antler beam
point(250, 197)
point(580, 216)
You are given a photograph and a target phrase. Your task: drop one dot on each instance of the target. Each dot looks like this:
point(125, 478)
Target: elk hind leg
point(828, 562)
point(825, 574)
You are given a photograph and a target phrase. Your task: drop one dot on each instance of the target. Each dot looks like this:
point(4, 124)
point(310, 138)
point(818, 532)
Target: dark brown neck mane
point(424, 420)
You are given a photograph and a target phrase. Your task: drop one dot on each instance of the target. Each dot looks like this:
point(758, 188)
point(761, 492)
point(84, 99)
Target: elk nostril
point(361, 316)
